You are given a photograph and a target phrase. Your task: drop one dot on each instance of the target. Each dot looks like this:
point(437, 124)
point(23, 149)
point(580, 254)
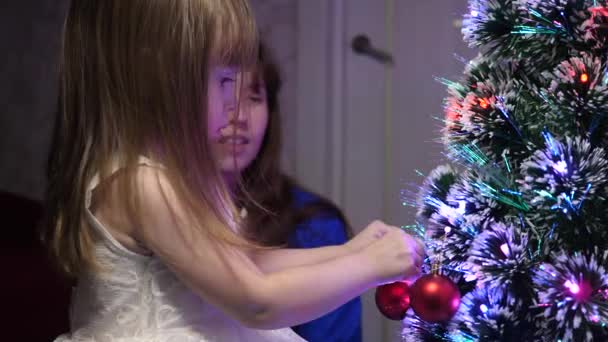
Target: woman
point(277, 210)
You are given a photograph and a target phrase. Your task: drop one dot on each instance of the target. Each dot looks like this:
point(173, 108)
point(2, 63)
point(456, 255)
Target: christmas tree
point(519, 218)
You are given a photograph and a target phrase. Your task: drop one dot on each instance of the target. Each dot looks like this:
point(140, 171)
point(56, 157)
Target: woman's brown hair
point(267, 192)
point(134, 82)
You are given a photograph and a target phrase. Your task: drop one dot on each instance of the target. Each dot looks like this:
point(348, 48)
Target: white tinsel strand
point(565, 168)
point(434, 191)
point(490, 314)
point(451, 251)
point(456, 220)
point(494, 116)
point(569, 72)
point(572, 296)
point(537, 33)
point(576, 98)
point(593, 30)
point(582, 19)
point(417, 330)
point(500, 258)
point(483, 14)
point(437, 217)
point(543, 6)
point(562, 180)
point(477, 207)
point(452, 242)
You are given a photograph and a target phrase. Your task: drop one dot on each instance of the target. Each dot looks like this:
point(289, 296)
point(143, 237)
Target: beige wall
point(278, 24)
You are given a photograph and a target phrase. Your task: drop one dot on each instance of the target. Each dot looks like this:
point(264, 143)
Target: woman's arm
point(343, 323)
point(272, 260)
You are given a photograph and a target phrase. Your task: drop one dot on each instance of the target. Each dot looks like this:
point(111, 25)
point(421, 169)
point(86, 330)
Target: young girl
point(138, 210)
point(278, 211)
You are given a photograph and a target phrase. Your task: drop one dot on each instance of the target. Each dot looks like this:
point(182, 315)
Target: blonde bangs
point(235, 37)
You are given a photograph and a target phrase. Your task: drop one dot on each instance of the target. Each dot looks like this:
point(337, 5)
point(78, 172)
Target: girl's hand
point(395, 255)
point(371, 233)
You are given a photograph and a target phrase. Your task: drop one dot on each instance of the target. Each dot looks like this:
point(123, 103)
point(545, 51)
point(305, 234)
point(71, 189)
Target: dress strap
point(112, 243)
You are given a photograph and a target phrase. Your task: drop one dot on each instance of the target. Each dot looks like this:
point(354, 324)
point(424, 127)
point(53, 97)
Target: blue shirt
point(325, 229)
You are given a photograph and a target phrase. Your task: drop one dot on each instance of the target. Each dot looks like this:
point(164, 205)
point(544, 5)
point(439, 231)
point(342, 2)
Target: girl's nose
point(239, 115)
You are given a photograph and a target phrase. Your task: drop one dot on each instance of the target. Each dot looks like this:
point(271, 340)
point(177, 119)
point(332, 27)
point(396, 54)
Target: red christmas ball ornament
point(435, 298)
point(393, 300)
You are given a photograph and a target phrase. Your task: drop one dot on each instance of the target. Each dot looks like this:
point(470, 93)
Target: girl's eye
point(225, 80)
point(255, 98)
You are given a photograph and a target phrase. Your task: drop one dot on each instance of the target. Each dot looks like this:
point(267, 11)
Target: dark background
point(33, 296)
point(30, 32)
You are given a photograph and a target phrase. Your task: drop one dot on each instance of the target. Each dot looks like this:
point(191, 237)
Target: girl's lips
point(234, 140)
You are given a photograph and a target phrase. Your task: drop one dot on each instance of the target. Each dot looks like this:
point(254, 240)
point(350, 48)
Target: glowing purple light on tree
point(561, 167)
point(505, 249)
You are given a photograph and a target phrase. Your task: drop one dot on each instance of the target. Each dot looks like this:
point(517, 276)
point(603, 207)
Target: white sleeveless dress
point(138, 299)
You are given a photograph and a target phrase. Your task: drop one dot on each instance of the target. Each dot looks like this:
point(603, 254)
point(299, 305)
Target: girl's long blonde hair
point(134, 82)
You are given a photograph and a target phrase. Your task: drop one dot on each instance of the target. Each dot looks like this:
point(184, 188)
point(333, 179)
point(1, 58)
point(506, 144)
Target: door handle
point(362, 45)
